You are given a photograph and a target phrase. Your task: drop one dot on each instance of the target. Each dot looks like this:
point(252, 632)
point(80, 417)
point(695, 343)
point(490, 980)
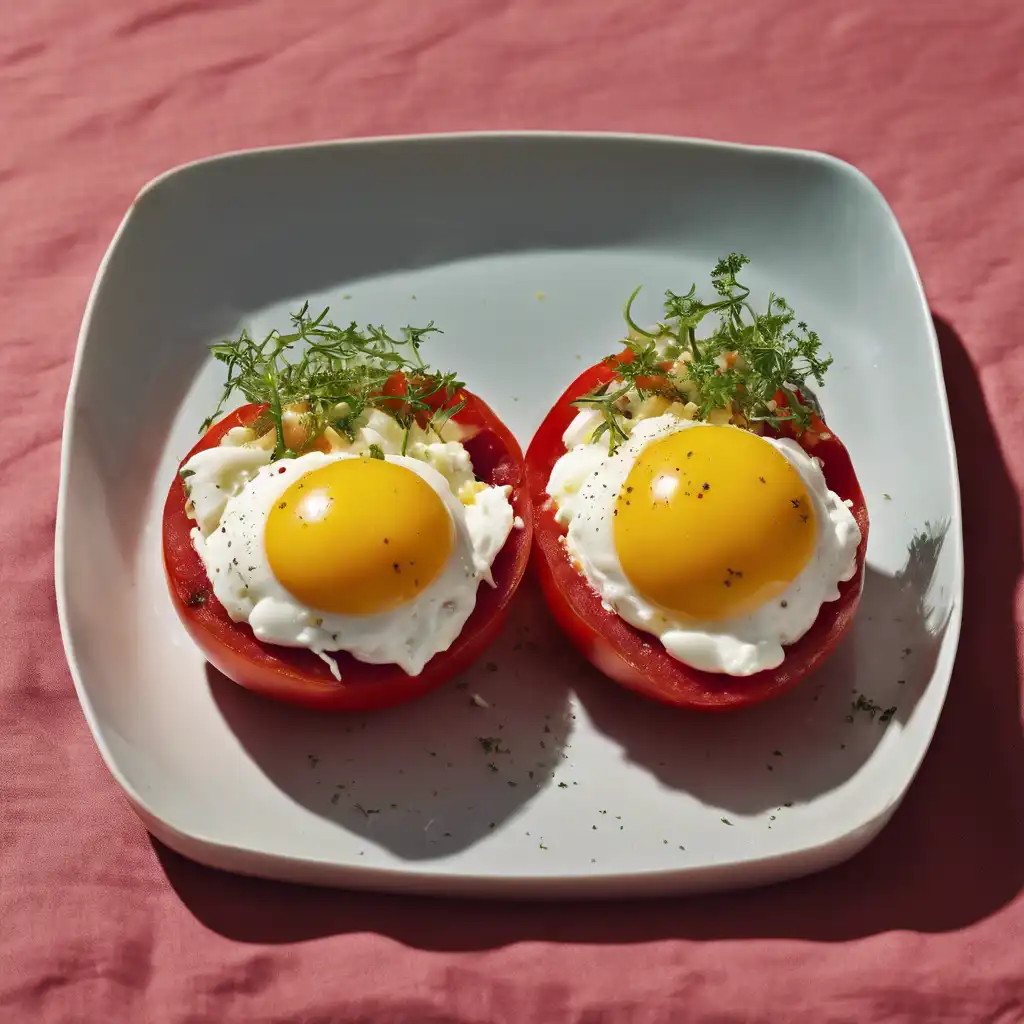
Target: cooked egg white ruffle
point(584, 484)
point(232, 489)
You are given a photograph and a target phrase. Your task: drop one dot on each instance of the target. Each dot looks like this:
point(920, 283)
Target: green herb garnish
point(871, 708)
point(745, 362)
point(338, 372)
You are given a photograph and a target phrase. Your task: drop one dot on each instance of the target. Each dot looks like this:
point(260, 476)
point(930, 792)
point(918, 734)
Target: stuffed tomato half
point(351, 537)
point(700, 534)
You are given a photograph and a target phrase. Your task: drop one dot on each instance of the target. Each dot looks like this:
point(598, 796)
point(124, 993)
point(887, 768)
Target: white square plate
point(522, 248)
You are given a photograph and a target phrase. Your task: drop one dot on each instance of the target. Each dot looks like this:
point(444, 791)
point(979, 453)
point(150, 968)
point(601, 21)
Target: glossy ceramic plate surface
point(522, 248)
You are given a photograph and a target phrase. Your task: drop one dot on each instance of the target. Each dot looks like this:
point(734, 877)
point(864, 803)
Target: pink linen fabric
point(98, 923)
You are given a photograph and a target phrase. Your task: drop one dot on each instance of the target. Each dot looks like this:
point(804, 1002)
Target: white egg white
point(584, 484)
point(231, 492)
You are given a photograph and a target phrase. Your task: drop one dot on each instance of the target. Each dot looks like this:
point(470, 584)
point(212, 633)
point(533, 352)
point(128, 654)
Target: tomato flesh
point(298, 676)
point(396, 388)
point(637, 660)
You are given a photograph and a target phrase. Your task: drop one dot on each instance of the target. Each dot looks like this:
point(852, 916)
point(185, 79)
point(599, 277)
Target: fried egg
point(722, 543)
point(339, 551)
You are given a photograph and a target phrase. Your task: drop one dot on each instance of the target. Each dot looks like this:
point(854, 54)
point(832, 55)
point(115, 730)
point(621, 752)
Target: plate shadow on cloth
point(952, 855)
point(432, 777)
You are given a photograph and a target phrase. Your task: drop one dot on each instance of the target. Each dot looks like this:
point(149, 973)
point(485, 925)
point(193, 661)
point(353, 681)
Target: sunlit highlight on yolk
point(358, 537)
point(712, 522)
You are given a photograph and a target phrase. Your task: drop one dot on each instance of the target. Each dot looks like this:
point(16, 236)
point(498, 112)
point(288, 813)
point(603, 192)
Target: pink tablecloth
point(95, 98)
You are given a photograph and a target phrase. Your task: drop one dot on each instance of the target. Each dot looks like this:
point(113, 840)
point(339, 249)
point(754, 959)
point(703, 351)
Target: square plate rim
point(579, 884)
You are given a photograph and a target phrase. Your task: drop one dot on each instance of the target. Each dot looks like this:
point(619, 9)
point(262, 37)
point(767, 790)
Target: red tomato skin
point(637, 660)
point(297, 676)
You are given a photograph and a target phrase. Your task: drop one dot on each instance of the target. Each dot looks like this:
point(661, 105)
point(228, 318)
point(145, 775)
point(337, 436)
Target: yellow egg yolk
point(712, 522)
point(358, 537)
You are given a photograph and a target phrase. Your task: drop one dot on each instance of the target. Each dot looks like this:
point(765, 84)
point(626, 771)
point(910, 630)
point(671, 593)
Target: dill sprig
point(339, 372)
point(748, 358)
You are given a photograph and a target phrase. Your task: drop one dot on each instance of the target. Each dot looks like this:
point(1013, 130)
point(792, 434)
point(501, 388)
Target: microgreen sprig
point(339, 372)
point(767, 352)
